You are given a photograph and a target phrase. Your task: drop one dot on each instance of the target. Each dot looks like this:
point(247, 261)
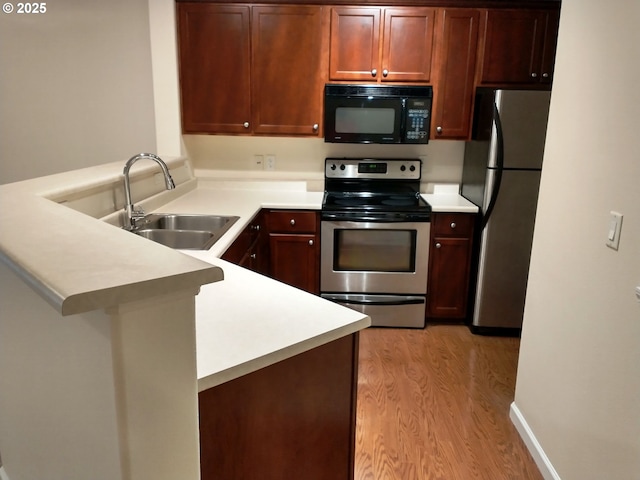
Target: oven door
point(374, 257)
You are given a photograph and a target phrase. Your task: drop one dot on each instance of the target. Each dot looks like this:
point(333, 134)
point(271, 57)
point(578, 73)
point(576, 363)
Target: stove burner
point(391, 195)
point(399, 201)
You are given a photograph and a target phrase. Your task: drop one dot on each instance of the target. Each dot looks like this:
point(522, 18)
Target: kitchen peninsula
point(105, 384)
point(139, 335)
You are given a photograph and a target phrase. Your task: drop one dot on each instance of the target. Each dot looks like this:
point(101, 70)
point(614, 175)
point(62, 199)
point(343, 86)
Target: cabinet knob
point(245, 124)
point(374, 72)
point(385, 72)
point(534, 75)
point(253, 255)
point(255, 227)
point(453, 224)
point(438, 130)
point(545, 75)
point(311, 242)
point(315, 127)
point(292, 222)
point(438, 245)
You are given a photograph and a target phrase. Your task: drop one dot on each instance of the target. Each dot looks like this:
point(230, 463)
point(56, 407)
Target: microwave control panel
point(417, 120)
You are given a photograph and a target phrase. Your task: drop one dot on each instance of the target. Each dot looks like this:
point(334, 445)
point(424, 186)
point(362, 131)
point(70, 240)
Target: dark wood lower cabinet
point(291, 420)
point(449, 265)
point(294, 248)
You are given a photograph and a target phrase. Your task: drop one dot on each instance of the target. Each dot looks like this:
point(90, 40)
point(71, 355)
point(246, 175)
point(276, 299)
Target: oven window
point(374, 250)
point(365, 120)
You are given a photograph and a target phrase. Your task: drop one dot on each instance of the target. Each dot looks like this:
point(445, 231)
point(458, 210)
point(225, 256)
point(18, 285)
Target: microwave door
point(363, 120)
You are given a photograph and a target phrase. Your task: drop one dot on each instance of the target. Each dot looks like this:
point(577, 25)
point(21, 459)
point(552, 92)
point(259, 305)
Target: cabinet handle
point(438, 130)
point(292, 222)
point(374, 72)
point(385, 72)
point(453, 224)
point(315, 127)
point(245, 124)
point(311, 242)
point(534, 75)
point(255, 228)
point(438, 245)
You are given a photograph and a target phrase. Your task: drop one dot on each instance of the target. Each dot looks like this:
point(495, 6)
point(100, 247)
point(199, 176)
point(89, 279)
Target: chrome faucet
point(133, 215)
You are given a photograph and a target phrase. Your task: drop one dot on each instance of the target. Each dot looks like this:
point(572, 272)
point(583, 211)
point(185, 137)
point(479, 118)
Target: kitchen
point(95, 134)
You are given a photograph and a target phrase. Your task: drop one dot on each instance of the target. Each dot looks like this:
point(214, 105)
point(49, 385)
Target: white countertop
point(250, 321)
point(244, 323)
point(78, 263)
point(445, 198)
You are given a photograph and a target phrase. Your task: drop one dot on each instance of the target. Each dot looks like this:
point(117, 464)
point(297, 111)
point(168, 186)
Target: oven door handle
point(374, 299)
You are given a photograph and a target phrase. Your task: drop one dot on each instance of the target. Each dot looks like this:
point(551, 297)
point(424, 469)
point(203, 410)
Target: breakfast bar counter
point(152, 328)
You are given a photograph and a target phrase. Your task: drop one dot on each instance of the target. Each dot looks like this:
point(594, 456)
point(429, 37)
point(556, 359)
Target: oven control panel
point(383, 168)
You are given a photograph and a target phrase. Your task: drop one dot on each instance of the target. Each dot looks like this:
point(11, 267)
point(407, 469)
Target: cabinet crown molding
point(552, 4)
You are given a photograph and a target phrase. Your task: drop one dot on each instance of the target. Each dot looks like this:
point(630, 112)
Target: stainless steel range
point(375, 239)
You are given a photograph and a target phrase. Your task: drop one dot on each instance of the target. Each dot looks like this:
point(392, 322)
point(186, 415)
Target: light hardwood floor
point(434, 404)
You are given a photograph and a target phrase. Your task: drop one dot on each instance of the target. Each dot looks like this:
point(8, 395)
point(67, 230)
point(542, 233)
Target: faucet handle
point(132, 217)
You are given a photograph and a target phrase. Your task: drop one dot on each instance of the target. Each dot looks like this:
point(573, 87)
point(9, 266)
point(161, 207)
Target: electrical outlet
point(269, 162)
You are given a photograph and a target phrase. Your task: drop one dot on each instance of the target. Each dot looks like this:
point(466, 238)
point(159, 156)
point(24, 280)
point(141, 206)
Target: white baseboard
point(541, 459)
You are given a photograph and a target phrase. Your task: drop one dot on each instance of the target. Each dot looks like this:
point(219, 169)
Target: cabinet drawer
point(452, 224)
point(292, 221)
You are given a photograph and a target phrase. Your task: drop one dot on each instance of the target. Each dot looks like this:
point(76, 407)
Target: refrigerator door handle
point(499, 167)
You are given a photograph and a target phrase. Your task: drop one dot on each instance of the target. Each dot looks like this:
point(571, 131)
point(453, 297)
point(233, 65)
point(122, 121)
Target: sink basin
point(181, 239)
point(184, 231)
point(176, 221)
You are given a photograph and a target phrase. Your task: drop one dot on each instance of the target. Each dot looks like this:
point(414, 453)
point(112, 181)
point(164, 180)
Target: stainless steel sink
point(184, 231)
point(178, 221)
point(182, 239)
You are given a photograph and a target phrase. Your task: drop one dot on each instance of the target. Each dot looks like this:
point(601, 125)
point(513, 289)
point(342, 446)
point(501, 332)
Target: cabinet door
point(449, 277)
point(449, 265)
point(457, 40)
point(259, 253)
point(407, 44)
point(287, 80)
point(519, 47)
point(354, 48)
point(295, 260)
point(214, 50)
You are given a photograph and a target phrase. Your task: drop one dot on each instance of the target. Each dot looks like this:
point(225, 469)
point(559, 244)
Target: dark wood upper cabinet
point(260, 68)
point(215, 58)
point(251, 69)
point(456, 45)
point(287, 60)
point(519, 47)
point(381, 44)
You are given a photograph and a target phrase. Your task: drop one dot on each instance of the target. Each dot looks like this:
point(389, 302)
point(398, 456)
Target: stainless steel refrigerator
point(501, 174)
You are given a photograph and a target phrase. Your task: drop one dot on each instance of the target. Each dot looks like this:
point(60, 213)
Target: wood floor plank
point(434, 404)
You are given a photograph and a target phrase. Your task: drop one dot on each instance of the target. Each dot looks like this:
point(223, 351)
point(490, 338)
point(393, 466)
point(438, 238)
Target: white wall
point(75, 87)
point(442, 160)
point(57, 405)
point(578, 385)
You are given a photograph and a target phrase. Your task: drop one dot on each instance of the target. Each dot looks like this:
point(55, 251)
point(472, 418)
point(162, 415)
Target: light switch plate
point(613, 232)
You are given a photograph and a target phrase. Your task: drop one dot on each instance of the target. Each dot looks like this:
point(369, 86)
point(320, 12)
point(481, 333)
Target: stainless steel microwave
point(377, 113)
